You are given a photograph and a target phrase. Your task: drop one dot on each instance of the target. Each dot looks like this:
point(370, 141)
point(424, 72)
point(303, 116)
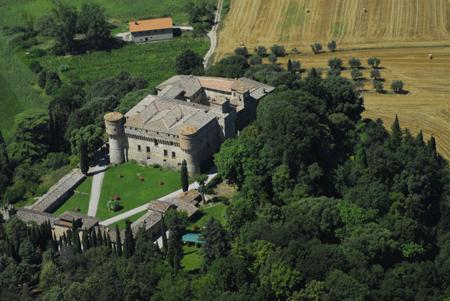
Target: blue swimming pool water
point(192, 237)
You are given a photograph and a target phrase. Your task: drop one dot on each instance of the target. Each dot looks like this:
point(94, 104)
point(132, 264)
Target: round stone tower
point(188, 137)
point(114, 126)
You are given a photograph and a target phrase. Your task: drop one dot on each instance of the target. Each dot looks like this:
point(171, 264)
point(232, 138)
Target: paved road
point(96, 188)
point(213, 35)
point(143, 208)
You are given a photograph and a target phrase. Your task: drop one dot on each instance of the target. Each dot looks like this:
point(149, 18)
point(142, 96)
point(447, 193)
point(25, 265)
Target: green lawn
point(215, 210)
point(192, 259)
point(80, 199)
point(154, 61)
point(133, 192)
point(131, 219)
point(18, 90)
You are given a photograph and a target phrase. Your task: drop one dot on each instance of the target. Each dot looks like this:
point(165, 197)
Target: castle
point(188, 120)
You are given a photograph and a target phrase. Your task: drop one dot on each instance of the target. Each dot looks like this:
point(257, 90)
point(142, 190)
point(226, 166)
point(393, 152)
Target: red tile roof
point(150, 24)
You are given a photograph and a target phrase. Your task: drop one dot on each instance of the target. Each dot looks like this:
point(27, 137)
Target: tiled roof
point(148, 221)
point(87, 222)
point(159, 206)
point(150, 24)
point(29, 215)
point(192, 196)
point(217, 83)
point(167, 116)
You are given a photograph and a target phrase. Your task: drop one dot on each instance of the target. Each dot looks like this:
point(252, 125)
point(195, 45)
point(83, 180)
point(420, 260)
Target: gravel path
point(212, 35)
point(143, 208)
point(96, 188)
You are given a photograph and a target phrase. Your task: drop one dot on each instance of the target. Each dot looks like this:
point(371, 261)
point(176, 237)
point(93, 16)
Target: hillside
point(299, 22)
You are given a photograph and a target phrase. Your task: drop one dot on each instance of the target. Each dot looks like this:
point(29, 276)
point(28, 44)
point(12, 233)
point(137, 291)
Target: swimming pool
point(192, 238)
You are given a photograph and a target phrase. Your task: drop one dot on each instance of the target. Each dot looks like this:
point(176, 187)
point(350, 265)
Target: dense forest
point(330, 206)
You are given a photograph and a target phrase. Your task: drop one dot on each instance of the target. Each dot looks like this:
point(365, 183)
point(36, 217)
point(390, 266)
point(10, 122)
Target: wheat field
point(400, 32)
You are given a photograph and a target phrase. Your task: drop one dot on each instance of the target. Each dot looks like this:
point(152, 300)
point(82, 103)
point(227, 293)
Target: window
point(148, 149)
point(139, 148)
point(156, 142)
point(165, 153)
point(173, 155)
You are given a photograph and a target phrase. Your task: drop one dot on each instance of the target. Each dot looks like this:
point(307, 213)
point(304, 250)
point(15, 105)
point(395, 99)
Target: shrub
point(378, 86)
point(42, 79)
point(273, 59)
point(55, 160)
point(397, 86)
point(255, 60)
point(316, 48)
point(37, 52)
point(296, 66)
point(332, 46)
point(334, 72)
point(241, 51)
point(374, 62)
point(354, 63)
point(356, 74)
point(35, 67)
point(295, 51)
point(114, 205)
point(278, 50)
point(335, 63)
point(261, 51)
point(53, 82)
point(375, 74)
point(63, 68)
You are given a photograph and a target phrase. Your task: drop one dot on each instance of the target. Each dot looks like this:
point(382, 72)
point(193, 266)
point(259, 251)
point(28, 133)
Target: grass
point(122, 224)
point(133, 192)
point(218, 211)
point(192, 259)
point(17, 86)
point(118, 11)
point(154, 61)
point(80, 199)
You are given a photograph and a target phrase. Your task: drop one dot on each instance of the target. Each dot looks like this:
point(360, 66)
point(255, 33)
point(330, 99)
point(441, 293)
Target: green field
point(118, 11)
point(192, 259)
point(18, 90)
point(132, 191)
point(80, 199)
point(153, 61)
point(218, 211)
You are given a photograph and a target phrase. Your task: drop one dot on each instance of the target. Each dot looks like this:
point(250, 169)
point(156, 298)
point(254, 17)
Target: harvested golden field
point(426, 106)
point(295, 23)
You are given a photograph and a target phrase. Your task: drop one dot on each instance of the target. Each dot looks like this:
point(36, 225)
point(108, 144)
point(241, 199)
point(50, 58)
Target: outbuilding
point(147, 30)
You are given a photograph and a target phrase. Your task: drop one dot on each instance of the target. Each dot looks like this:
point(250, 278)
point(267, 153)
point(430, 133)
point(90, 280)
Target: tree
point(118, 242)
point(188, 62)
point(84, 158)
point(335, 63)
point(5, 167)
point(378, 86)
point(375, 74)
point(35, 67)
point(176, 223)
point(184, 176)
point(332, 46)
point(241, 51)
point(397, 86)
point(217, 243)
point(93, 23)
point(128, 243)
point(64, 26)
point(261, 51)
point(255, 60)
point(30, 136)
point(354, 63)
point(356, 74)
point(296, 66)
point(316, 48)
point(42, 79)
point(52, 82)
point(278, 50)
point(231, 66)
point(374, 62)
point(273, 59)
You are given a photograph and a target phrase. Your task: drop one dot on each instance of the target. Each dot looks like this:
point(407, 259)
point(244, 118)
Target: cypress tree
point(118, 242)
point(108, 242)
point(396, 131)
point(76, 241)
point(99, 238)
point(419, 138)
point(94, 238)
point(431, 146)
point(65, 240)
point(5, 167)
point(184, 176)
point(84, 159)
point(217, 243)
point(128, 244)
point(163, 236)
point(289, 66)
point(174, 250)
point(86, 244)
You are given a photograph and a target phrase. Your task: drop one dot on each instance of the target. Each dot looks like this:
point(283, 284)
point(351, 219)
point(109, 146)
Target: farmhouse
point(151, 29)
point(188, 120)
